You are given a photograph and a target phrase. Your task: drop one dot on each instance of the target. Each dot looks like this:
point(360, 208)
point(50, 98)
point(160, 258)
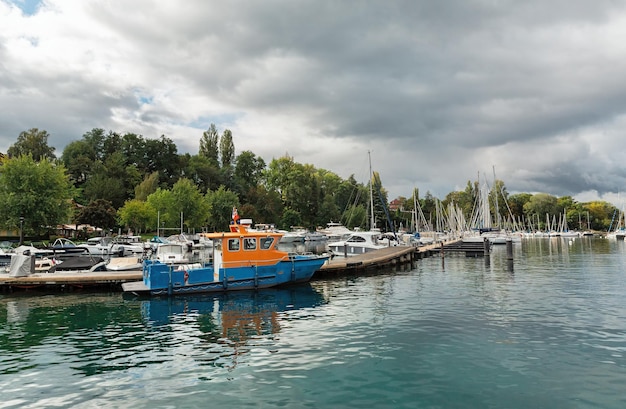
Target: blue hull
point(163, 279)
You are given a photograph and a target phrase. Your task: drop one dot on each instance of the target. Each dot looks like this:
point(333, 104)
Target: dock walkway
point(60, 280)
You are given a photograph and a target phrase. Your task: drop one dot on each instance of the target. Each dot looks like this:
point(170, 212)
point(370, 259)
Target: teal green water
point(547, 331)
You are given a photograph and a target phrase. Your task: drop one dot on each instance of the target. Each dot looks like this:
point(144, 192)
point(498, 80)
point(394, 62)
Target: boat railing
point(250, 263)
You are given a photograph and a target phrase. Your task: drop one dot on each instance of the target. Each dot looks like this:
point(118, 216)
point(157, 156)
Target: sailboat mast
point(495, 189)
point(372, 226)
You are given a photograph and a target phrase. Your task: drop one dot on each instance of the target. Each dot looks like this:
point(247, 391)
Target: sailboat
point(619, 232)
point(361, 242)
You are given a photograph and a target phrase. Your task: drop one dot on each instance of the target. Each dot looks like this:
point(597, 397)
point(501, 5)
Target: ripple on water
point(464, 333)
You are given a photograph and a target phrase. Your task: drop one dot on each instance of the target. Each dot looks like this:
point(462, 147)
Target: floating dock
point(373, 260)
point(62, 280)
point(68, 281)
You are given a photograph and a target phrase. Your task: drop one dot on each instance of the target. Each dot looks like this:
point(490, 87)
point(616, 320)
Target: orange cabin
point(241, 247)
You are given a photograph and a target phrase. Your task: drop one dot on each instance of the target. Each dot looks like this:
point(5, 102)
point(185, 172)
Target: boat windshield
point(266, 242)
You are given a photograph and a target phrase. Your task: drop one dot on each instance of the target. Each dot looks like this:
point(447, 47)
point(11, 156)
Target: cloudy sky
point(440, 92)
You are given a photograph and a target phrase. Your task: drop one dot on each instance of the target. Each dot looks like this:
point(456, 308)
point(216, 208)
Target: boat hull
point(163, 279)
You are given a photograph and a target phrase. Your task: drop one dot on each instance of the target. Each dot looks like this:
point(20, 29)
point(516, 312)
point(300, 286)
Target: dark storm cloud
point(530, 88)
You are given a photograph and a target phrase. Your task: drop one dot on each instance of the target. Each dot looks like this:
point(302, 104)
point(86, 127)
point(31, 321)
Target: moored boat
point(242, 259)
point(357, 243)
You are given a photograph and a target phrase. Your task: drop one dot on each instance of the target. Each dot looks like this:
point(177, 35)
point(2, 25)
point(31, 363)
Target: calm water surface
point(546, 331)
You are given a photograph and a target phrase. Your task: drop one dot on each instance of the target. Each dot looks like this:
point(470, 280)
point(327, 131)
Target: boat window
point(233, 244)
point(249, 243)
point(266, 242)
point(356, 239)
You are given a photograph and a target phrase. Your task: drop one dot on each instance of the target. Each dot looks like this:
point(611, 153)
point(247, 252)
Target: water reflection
point(236, 315)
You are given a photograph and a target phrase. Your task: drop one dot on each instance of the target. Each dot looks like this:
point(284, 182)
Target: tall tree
point(542, 207)
point(98, 213)
point(203, 172)
point(380, 203)
point(221, 203)
point(79, 157)
point(148, 186)
point(248, 173)
point(162, 156)
point(209, 145)
point(227, 149)
point(96, 141)
point(187, 200)
point(161, 202)
point(137, 215)
point(39, 192)
point(112, 180)
point(32, 142)
point(133, 148)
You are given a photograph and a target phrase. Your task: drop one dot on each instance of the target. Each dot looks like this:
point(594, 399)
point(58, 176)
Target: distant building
point(394, 205)
point(73, 230)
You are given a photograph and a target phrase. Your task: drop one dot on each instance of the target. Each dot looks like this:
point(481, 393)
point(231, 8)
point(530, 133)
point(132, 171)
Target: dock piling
point(509, 249)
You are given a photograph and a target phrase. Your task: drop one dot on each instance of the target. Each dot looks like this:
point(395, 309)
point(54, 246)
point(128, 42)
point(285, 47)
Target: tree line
point(125, 181)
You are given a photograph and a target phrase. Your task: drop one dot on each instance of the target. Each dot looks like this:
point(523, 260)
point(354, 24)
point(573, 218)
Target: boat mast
point(372, 223)
point(497, 209)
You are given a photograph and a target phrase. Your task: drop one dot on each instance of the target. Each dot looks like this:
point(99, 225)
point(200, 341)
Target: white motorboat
point(295, 235)
point(335, 231)
point(357, 243)
point(124, 263)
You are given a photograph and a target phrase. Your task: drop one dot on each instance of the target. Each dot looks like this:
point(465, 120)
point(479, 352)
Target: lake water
point(545, 331)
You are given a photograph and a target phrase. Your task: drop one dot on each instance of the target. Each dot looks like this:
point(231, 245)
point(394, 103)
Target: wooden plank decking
point(376, 259)
point(78, 279)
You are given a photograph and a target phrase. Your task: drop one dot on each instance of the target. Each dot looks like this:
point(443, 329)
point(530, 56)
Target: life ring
point(186, 275)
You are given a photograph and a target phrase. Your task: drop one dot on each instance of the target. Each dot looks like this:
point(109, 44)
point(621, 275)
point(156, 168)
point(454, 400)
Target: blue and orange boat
point(243, 259)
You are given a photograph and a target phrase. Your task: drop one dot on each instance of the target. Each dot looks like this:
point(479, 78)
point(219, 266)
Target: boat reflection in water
point(235, 315)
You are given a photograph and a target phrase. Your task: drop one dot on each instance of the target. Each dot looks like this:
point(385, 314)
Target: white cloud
point(438, 92)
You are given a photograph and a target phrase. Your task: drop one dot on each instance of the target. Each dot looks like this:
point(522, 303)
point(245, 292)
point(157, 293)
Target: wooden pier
point(383, 258)
point(380, 259)
point(470, 248)
point(61, 280)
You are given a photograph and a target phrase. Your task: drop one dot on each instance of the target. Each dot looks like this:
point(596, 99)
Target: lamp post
point(21, 230)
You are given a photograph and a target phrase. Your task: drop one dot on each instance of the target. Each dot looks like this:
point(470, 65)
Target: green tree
point(355, 216)
point(39, 192)
point(137, 215)
point(267, 206)
point(78, 158)
point(248, 173)
point(498, 202)
point(149, 185)
point(204, 172)
point(112, 180)
point(298, 186)
point(32, 142)
point(161, 202)
point(601, 214)
point(221, 203)
point(133, 148)
point(517, 202)
point(541, 207)
point(162, 155)
point(98, 213)
point(209, 145)
point(380, 200)
point(227, 149)
point(290, 218)
point(187, 200)
point(95, 139)
point(328, 211)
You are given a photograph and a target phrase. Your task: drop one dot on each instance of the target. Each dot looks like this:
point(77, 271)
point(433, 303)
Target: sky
point(437, 92)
